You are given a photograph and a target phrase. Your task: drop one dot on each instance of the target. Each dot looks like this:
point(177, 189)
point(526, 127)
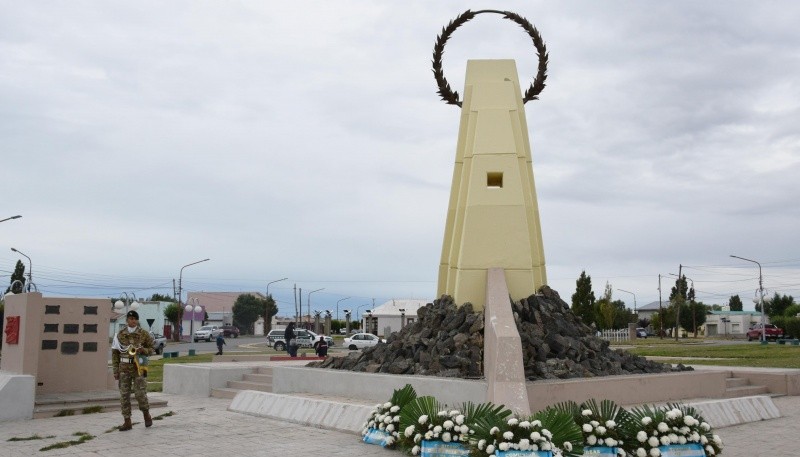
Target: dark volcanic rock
point(447, 341)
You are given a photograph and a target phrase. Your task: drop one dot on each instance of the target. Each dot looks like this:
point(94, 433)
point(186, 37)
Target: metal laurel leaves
point(450, 96)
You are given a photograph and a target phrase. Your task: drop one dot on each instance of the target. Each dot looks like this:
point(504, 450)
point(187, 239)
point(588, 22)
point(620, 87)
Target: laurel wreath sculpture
point(450, 96)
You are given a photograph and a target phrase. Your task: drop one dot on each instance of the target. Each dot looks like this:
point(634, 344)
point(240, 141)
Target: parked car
point(770, 331)
point(361, 341)
point(159, 342)
point(641, 333)
point(305, 339)
point(230, 330)
point(207, 332)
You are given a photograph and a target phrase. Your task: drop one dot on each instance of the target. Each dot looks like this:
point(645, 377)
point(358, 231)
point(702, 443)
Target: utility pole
point(295, 302)
point(680, 302)
point(660, 311)
point(300, 315)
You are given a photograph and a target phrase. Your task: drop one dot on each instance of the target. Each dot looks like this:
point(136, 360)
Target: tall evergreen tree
point(735, 303)
point(583, 299)
point(18, 275)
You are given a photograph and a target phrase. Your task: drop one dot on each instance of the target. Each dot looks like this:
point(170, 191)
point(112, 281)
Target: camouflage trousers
point(130, 381)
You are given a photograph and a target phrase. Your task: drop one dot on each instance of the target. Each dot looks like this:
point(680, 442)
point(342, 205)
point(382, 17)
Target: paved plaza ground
point(204, 427)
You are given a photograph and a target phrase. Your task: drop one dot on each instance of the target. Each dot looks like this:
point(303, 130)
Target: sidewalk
point(204, 426)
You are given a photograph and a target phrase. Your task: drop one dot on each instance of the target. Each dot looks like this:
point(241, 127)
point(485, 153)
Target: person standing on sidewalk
point(220, 342)
point(290, 339)
point(125, 370)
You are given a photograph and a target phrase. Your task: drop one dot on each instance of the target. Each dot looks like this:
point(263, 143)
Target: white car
point(207, 332)
point(361, 341)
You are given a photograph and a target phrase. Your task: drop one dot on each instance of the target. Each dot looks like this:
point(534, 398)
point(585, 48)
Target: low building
point(391, 316)
point(731, 324)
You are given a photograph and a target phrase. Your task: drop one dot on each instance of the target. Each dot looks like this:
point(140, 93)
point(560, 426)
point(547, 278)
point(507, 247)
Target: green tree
point(604, 309)
point(680, 296)
point(160, 297)
point(735, 303)
point(623, 316)
point(248, 308)
point(583, 300)
point(693, 316)
point(792, 311)
point(18, 275)
point(172, 313)
point(777, 305)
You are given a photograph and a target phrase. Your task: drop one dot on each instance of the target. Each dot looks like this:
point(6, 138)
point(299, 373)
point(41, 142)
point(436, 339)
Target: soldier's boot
point(127, 425)
point(148, 421)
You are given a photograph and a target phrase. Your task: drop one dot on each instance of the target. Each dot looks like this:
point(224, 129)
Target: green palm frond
point(568, 407)
point(564, 429)
point(488, 412)
point(427, 406)
point(402, 397)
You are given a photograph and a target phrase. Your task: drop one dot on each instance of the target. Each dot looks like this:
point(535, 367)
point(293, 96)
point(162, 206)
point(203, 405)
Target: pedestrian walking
point(129, 343)
point(290, 339)
point(220, 342)
point(322, 347)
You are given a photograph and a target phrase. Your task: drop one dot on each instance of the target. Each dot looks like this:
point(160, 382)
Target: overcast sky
point(306, 140)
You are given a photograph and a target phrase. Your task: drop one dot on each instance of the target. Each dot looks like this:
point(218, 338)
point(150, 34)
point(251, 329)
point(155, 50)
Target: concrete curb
point(735, 411)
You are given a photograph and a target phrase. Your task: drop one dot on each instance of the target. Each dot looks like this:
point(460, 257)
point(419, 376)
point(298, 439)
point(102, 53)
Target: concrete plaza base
point(315, 412)
point(735, 411)
point(197, 379)
point(17, 396)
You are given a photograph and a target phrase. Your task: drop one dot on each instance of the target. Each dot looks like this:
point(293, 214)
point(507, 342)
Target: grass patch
point(162, 416)
point(65, 412)
point(736, 355)
point(92, 409)
point(82, 438)
point(30, 438)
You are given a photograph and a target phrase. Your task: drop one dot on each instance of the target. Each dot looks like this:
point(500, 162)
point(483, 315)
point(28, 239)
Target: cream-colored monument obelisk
point(493, 217)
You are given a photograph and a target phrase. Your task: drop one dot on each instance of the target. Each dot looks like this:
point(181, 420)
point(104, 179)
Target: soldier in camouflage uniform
point(125, 368)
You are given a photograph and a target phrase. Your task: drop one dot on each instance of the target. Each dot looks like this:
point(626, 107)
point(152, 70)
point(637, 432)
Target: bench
point(173, 354)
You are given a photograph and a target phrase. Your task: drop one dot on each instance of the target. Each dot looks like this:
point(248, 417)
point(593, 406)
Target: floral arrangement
point(426, 420)
point(385, 418)
point(670, 425)
point(550, 431)
point(600, 423)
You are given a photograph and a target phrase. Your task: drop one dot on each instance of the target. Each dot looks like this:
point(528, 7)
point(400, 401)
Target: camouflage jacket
point(139, 338)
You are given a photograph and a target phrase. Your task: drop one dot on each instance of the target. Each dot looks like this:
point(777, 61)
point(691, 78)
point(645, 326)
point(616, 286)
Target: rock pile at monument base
point(447, 341)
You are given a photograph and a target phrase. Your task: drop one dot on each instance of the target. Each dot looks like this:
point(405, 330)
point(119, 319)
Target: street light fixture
point(273, 282)
point(9, 218)
point(180, 287)
point(346, 322)
point(368, 320)
point(194, 310)
point(402, 318)
point(266, 305)
point(30, 268)
point(308, 300)
point(634, 299)
point(761, 294)
point(337, 306)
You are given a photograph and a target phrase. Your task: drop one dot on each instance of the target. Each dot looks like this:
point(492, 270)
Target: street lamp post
point(308, 301)
point(402, 318)
point(9, 218)
point(761, 295)
point(634, 299)
point(266, 305)
point(358, 314)
point(30, 268)
point(180, 287)
point(368, 321)
point(337, 306)
point(346, 322)
point(194, 310)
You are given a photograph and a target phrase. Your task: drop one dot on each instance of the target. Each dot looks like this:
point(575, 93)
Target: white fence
point(615, 335)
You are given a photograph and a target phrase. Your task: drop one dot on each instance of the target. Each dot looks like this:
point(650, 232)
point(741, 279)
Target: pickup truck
point(770, 332)
point(159, 342)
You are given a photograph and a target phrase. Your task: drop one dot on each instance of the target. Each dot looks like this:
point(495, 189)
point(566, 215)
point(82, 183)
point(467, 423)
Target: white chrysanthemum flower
point(387, 405)
point(446, 437)
point(546, 433)
point(546, 446)
point(695, 437)
point(481, 444)
point(653, 441)
point(524, 444)
point(381, 426)
point(601, 430)
point(387, 419)
point(508, 435)
point(455, 412)
point(536, 436)
point(688, 420)
point(389, 441)
point(442, 413)
point(705, 426)
point(448, 425)
point(394, 409)
point(567, 446)
point(662, 427)
point(641, 436)
point(415, 450)
point(460, 419)
point(586, 412)
point(422, 419)
point(682, 440)
point(390, 428)
point(490, 449)
point(437, 429)
point(611, 442)
point(647, 420)
point(591, 439)
point(655, 452)
point(610, 424)
point(417, 438)
point(396, 419)
point(494, 430)
point(503, 446)
point(665, 440)
point(703, 439)
point(513, 421)
point(670, 414)
point(710, 450)
point(525, 424)
point(465, 429)
point(428, 435)
point(587, 428)
point(536, 423)
point(641, 452)
point(717, 440)
point(594, 423)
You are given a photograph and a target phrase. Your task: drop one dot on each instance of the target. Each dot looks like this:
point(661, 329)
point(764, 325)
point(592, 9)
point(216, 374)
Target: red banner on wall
point(12, 329)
